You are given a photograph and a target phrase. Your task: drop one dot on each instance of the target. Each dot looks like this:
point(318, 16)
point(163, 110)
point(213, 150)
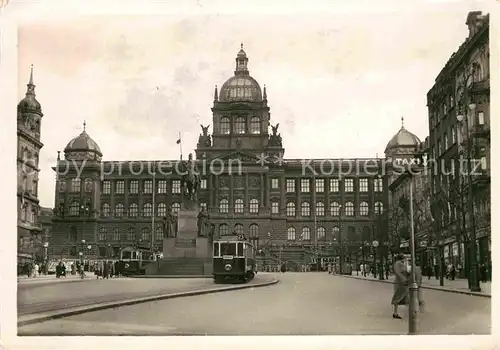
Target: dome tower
point(82, 147)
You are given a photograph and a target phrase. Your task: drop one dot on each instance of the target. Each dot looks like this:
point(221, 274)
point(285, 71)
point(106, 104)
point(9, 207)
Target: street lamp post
point(80, 253)
point(413, 307)
point(46, 257)
point(341, 265)
point(464, 119)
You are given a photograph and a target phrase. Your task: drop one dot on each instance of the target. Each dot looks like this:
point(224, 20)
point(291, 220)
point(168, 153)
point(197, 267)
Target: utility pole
point(413, 307)
point(154, 214)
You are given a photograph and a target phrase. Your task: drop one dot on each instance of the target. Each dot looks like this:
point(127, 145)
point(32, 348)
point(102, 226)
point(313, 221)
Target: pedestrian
point(35, 269)
point(400, 285)
point(452, 272)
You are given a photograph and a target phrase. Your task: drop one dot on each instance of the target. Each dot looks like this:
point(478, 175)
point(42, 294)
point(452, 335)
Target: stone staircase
point(182, 267)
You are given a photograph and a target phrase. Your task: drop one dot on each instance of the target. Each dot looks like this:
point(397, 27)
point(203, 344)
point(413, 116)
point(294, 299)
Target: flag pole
point(180, 144)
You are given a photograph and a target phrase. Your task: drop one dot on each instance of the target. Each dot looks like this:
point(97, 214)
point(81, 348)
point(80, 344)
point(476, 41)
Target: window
point(349, 209)
point(102, 234)
point(203, 184)
point(106, 187)
point(336, 233)
point(75, 185)
point(305, 209)
point(334, 185)
point(254, 231)
point(320, 209)
point(223, 230)
point(291, 233)
point(238, 229)
point(148, 186)
point(320, 233)
point(275, 208)
point(133, 210)
point(238, 206)
point(290, 209)
point(74, 209)
point(378, 185)
point(306, 233)
point(119, 210)
point(134, 187)
point(255, 125)
point(116, 234)
point(88, 185)
point(363, 209)
point(334, 209)
point(162, 186)
point(379, 207)
point(320, 185)
point(176, 186)
point(225, 126)
point(480, 118)
point(147, 210)
point(162, 210)
point(445, 141)
point(439, 148)
point(254, 206)
point(305, 185)
point(145, 234)
point(290, 185)
point(223, 206)
point(130, 234)
point(349, 185)
point(363, 185)
point(176, 207)
point(106, 210)
point(120, 187)
point(275, 183)
point(239, 125)
point(484, 165)
point(159, 233)
point(453, 135)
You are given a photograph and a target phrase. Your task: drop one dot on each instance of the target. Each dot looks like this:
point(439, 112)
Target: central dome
point(82, 147)
point(241, 87)
point(403, 142)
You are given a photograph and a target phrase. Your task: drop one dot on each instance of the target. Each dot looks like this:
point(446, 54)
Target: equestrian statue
point(190, 180)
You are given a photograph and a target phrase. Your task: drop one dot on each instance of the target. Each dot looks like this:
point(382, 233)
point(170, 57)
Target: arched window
point(305, 209)
point(238, 229)
point(223, 230)
point(306, 233)
point(159, 233)
point(334, 209)
point(131, 234)
point(290, 233)
point(255, 125)
point(145, 234)
point(320, 209)
point(74, 209)
point(321, 233)
point(176, 207)
point(116, 234)
point(73, 234)
point(106, 210)
point(254, 206)
point(336, 234)
point(363, 209)
point(119, 210)
point(102, 234)
point(76, 185)
point(239, 125)
point(349, 209)
point(223, 206)
point(254, 231)
point(162, 210)
point(225, 126)
point(290, 209)
point(88, 185)
point(133, 210)
point(238, 206)
point(147, 210)
point(379, 207)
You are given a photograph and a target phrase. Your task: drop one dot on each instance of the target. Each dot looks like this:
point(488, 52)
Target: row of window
point(291, 185)
point(240, 125)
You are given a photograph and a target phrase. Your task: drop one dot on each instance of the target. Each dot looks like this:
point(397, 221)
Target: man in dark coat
point(400, 284)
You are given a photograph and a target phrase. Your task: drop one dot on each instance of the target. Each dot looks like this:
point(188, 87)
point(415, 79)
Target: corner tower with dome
point(298, 210)
point(29, 145)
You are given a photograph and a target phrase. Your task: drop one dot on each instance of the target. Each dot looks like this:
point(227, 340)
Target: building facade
point(29, 120)
point(247, 186)
point(462, 88)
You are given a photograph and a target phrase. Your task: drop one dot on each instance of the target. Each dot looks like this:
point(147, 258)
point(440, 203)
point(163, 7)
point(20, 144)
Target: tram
point(233, 259)
point(135, 260)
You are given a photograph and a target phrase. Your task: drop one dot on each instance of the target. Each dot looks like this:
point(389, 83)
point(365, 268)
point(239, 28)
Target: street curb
point(38, 318)
point(449, 290)
point(49, 281)
point(171, 276)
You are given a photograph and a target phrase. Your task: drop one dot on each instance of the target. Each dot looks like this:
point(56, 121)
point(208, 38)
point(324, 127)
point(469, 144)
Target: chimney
point(475, 21)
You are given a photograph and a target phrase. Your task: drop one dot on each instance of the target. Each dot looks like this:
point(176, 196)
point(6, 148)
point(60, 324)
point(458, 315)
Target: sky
point(337, 82)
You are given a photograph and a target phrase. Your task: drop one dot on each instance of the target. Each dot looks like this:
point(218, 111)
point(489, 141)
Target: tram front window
point(228, 248)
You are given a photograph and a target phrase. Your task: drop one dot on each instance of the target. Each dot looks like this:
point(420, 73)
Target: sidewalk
point(455, 286)
point(51, 278)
